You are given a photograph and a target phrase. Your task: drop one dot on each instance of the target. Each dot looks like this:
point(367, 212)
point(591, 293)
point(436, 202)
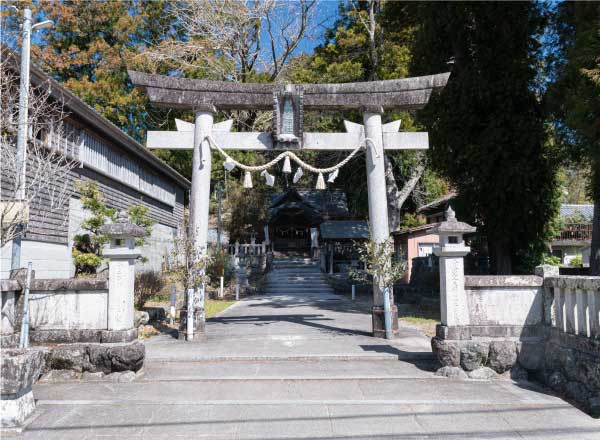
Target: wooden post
point(331, 256)
point(189, 336)
point(173, 304)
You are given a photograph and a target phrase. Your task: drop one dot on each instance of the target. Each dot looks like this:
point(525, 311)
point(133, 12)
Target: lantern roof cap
point(452, 225)
point(122, 228)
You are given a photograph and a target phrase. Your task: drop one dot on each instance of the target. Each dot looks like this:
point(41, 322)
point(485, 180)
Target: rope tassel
point(320, 182)
point(287, 166)
point(248, 180)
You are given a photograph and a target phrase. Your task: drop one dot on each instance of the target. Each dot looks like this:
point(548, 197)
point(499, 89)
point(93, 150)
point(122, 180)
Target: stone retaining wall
point(546, 327)
point(61, 311)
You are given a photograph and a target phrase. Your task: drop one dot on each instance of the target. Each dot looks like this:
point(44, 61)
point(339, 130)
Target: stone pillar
point(200, 196)
point(201, 167)
point(121, 253)
point(546, 271)
point(451, 250)
point(378, 212)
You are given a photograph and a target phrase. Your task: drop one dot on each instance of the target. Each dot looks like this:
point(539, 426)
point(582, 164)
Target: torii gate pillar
point(201, 166)
point(378, 213)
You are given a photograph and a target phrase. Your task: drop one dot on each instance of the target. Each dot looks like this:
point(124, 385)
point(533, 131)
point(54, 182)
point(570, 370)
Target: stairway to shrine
point(297, 275)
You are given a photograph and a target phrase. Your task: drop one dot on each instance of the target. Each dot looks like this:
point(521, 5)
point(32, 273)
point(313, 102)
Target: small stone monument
point(451, 250)
point(121, 253)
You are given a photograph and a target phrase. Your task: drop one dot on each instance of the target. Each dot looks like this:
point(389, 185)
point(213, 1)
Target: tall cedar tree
point(575, 97)
point(487, 127)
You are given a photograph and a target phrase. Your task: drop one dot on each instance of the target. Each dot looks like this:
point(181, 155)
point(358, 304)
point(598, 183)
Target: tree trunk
point(595, 250)
point(500, 257)
point(397, 197)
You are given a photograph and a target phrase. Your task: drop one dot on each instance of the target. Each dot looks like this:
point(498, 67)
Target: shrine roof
point(328, 203)
point(344, 230)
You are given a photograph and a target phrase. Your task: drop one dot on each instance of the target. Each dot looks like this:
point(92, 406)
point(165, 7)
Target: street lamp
point(23, 129)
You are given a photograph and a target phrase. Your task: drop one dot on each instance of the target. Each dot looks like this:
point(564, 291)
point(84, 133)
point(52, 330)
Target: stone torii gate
point(288, 103)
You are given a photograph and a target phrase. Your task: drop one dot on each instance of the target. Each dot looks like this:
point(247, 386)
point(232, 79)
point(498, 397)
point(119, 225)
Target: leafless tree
point(230, 39)
point(46, 187)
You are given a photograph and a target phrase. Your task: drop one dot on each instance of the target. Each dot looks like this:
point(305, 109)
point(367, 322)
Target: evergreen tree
point(575, 98)
point(487, 126)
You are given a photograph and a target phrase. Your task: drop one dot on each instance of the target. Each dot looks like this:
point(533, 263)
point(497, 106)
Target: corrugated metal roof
point(344, 229)
point(570, 210)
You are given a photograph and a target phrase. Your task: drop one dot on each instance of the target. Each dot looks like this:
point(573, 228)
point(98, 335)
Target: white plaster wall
point(159, 244)
point(69, 310)
point(504, 305)
point(49, 260)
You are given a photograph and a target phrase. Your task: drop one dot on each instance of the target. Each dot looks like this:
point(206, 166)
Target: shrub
point(147, 285)
point(552, 260)
point(87, 247)
point(220, 266)
point(576, 262)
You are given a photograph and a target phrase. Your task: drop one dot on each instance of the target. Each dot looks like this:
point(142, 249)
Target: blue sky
point(327, 14)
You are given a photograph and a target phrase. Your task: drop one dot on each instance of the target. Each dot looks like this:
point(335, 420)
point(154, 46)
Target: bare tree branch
point(49, 156)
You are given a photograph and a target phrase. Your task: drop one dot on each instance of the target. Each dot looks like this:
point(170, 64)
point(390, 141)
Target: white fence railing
point(248, 249)
point(575, 307)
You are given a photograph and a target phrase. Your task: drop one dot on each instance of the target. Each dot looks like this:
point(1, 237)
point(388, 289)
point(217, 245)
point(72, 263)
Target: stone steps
point(392, 390)
point(290, 368)
point(295, 276)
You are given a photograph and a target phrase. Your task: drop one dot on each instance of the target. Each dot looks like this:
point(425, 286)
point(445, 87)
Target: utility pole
point(23, 130)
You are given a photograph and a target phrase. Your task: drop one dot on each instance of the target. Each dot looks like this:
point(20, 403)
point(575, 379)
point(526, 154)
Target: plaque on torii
point(288, 102)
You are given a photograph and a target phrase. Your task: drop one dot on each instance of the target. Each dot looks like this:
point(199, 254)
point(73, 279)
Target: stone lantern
point(451, 250)
point(122, 254)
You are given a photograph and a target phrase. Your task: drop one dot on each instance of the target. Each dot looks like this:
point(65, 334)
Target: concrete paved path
point(299, 365)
